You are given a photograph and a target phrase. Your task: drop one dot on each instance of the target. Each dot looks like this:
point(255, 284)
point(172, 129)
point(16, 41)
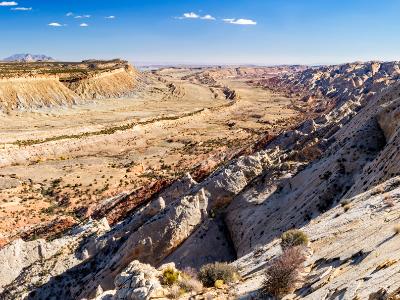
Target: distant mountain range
point(26, 57)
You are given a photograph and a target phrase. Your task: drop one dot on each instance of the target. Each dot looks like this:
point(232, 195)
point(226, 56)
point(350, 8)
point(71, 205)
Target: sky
point(264, 32)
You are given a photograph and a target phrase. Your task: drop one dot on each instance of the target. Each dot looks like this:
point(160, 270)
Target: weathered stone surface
point(351, 269)
point(138, 282)
point(209, 243)
point(20, 254)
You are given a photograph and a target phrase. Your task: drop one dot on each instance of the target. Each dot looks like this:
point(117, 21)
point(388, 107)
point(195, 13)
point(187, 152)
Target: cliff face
point(56, 85)
point(109, 84)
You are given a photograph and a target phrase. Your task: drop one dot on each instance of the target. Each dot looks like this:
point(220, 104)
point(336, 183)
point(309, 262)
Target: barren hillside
point(29, 86)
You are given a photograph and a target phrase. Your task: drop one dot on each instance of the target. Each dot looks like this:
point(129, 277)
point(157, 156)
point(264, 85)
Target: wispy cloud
point(240, 21)
point(192, 15)
point(84, 25)
point(110, 17)
point(70, 14)
point(22, 8)
point(82, 17)
point(8, 3)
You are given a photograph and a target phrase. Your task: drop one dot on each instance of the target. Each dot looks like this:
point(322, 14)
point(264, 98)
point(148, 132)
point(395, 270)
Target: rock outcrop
point(138, 282)
point(336, 83)
point(109, 84)
point(18, 255)
point(45, 85)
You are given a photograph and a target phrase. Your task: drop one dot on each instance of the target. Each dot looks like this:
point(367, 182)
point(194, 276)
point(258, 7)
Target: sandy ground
point(60, 161)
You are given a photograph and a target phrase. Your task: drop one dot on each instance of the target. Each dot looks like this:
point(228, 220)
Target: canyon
point(107, 174)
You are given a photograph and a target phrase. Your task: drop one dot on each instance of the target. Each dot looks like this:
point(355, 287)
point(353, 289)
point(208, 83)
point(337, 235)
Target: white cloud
point(84, 25)
point(207, 17)
point(240, 21)
point(55, 24)
point(192, 15)
point(8, 3)
point(83, 17)
point(70, 14)
point(22, 8)
point(110, 17)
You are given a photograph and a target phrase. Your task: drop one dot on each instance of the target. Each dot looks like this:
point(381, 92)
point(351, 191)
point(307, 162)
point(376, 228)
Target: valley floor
point(59, 164)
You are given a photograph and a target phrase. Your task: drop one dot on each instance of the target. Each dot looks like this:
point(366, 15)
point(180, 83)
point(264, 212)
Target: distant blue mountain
point(26, 57)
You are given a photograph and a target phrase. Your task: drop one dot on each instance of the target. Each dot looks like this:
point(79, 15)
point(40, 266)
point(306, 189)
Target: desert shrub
point(347, 207)
point(190, 284)
point(283, 273)
point(210, 273)
point(344, 203)
point(170, 276)
point(293, 238)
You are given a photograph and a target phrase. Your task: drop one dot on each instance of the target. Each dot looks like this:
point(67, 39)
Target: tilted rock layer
point(27, 93)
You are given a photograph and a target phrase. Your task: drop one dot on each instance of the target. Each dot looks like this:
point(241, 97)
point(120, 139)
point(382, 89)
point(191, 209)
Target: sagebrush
point(293, 238)
point(170, 276)
point(210, 273)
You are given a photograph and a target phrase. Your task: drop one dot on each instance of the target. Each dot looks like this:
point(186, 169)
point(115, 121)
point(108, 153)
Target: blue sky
point(204, 31)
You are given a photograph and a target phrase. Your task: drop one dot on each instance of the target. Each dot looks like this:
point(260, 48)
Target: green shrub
point(210, 273)
point(170, 276)
point(293, 238)
point(283, 273)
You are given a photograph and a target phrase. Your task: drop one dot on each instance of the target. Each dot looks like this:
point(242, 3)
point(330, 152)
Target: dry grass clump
point(175, 292)
point(179, 283)
point(378, 190)
point(210, 273)
point(388, 200)
point(191, 272)
point(283, 274)
point(346, 207)
point(396, 229)
point(293, 238)
point(189, 282)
